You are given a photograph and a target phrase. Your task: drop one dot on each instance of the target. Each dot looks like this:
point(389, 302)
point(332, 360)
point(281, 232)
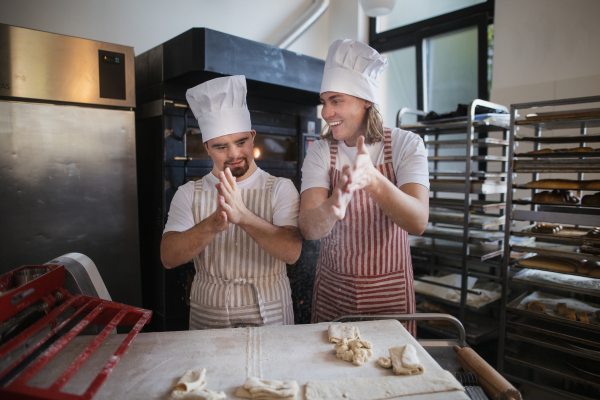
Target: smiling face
point(346, 116)
point(235, 152)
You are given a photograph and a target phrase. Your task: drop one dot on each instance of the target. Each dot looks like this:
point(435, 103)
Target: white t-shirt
point(409, 158)
point(285, 200)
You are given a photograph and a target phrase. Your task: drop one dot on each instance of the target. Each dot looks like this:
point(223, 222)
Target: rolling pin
point(493, 384)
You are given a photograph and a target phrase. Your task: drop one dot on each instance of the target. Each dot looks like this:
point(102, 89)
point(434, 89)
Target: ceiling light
point(376, 8)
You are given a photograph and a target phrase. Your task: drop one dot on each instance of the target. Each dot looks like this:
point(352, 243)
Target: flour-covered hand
point(362, 174)
point(230, 199)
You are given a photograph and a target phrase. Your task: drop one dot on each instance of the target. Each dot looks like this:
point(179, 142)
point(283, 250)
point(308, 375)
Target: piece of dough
point(575, 150)
point(405, 360)
point(356, 351)
point(561, 309)
point(384, 362)
point(191, 380)
point(201, 394)
point(338, 332)
point(554, 184)
point(590, 247)
point(571, 314)
point(382, 387)
point(593, 233)
point(536, 306)
point(541, 151)
point(583, 318)
point(549, 263)
point(261, 389)
point(555, 196)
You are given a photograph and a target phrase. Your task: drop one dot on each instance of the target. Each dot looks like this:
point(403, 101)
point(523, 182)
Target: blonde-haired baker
point(364, 188)
point(239, 224)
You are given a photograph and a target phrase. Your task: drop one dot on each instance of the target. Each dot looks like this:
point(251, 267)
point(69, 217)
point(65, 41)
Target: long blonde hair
point(374, 131)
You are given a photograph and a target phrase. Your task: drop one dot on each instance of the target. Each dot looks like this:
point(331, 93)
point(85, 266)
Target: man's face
point(233, 151)
point(345, 114)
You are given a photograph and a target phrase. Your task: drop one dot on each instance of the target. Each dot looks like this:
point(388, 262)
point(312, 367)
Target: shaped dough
point(405, 360)
point(357, 351)
point(338, 332)
point(201, 394)
point(382, 387)
point(255, 388)
point(191, 380)
point(385, 362)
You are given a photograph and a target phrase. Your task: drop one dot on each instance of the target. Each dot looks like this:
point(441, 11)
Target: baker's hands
point(341, 195)
point(363, 174)
point(230, 199)
point(218, 220)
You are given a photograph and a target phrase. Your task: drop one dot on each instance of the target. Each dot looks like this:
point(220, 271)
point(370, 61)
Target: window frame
point(479, 15)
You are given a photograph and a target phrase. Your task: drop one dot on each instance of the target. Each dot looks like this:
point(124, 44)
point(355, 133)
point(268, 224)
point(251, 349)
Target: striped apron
point(237, 283)
point(364, 264)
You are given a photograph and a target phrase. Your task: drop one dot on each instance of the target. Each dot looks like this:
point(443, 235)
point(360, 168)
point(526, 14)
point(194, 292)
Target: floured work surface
point(155, 361)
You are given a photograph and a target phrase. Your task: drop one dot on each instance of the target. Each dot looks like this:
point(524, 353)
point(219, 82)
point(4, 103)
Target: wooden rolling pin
point(493, 384)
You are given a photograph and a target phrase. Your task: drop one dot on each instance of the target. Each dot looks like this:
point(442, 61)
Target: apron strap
point(244, 281)
point(333, 150)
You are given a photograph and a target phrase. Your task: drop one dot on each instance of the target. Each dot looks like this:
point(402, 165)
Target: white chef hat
point(220, 106)
point(353, 68)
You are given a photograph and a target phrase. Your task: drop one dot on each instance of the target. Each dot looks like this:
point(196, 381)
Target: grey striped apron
point(237, 283)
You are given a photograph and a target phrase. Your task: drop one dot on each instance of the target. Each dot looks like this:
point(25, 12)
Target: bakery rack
point(466, 216)
point(544, 349)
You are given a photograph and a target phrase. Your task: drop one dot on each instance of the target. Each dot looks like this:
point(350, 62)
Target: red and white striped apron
point(364, 264)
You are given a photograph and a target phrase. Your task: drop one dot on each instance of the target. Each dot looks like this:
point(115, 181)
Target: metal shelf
point(560, 139)
point(547, 362)
point(527, 201)
point(428, 246)
point(584, 123)
point(483, 142)
point(564, 154)
point(549, 328)
point(559, 281)
point(552, 343)
point(476, 221)
point(477, 174)
point(459, 204)
point(456, 186)
point(558, 164)
point(464, 158)
point(515, 186)
point(554, 250)
point(457, 235)
point(516, 308)
point(566, 235)
point(566, 215)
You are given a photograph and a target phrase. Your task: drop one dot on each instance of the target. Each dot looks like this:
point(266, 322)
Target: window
point(439, 54)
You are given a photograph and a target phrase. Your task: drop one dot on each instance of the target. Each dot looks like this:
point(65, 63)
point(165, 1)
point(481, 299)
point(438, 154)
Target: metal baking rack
point(559, 281)
point(67, 315)
point(465, 228)
point(534, 348)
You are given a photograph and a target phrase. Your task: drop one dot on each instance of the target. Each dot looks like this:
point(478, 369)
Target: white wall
point(144, 24)
point(545, 49)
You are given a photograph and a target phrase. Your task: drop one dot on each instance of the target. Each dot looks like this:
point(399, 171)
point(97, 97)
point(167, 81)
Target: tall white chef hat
point(220, 106)
point(353, 68)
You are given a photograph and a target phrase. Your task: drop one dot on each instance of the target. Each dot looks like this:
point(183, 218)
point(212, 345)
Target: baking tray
point(522, 186)
point(458, 186)
point(562, 154)
point(521, 277)
point(554, 250)
point(428, 246)
point(570, 235)
point(559, 215)
point(513, 307)
point(476, 205)
point(464, 158)
point(583, 123)
point(477, 174)
point(477, 221)
point(454, 234)
point(546, 361)
point(560, 139)
point(527, 201)
point(568, 334)
point(552, 343)
point(483, 142)
point(556, 165)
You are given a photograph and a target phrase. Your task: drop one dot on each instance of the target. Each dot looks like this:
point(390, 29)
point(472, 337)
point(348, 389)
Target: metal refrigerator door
point(68, 184)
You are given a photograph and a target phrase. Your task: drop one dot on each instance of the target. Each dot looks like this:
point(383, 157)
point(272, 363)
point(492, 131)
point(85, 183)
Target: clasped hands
point(230, 207)
point(361, 176)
